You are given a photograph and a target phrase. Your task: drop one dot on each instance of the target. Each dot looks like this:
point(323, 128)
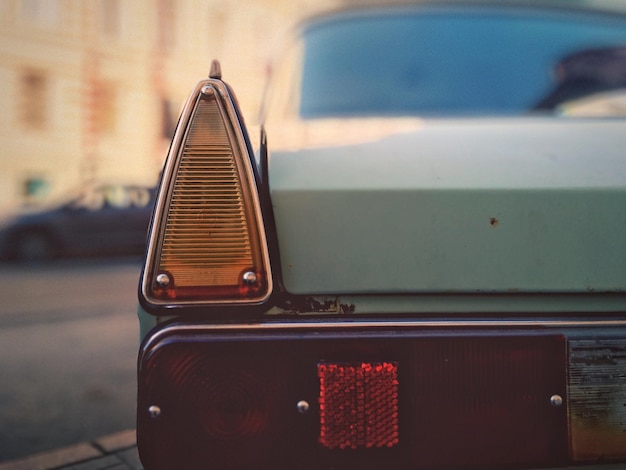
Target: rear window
point(445, 62)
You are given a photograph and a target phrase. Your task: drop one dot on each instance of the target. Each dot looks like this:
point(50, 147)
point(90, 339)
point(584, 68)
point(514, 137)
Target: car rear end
point(391, 282)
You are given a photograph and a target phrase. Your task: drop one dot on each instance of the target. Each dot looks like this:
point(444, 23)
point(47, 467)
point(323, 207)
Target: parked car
point(421, 263)
point(99, 220)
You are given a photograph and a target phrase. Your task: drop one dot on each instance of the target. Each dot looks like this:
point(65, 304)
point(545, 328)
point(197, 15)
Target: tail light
point(207, 244)
point(350, 398)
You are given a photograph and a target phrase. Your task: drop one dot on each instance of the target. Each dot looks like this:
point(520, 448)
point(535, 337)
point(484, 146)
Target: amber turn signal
point(207, 243)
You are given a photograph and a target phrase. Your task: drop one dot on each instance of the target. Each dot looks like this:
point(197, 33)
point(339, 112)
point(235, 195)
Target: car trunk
point(487, 206)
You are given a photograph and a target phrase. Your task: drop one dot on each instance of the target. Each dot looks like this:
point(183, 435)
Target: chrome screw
point(154, 411)
point(163, 280)
point(208, 90)
point(302, 406)
point(556, 400)
point(249, 278)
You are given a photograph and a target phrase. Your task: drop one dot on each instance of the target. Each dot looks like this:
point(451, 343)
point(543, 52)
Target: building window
point(110, 18)
point(40, 12)
point(4, 9)
point(106, 108)
point(34, 99)
point(166, 25)
point(35, 188)
point(217, 26)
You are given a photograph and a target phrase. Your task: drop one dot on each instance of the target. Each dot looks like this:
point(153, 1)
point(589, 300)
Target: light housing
point(351, 397)
point(207, 244)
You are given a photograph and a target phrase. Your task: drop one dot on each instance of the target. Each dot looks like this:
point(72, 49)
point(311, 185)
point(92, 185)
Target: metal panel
point(506, 207)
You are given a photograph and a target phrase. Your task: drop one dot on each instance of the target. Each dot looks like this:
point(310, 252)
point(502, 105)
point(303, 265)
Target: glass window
point(441, 62)
point(110, 18)
point(35, 188)
point(167, 25)
point(106, 107)
point(41, 12)
point(217, 20)
point(34, 99)
point(4, 9)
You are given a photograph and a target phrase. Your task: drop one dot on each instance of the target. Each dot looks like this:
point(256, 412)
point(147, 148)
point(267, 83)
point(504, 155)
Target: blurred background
point(91, 92)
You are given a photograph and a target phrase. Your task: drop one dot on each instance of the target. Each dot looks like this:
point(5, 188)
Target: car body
point(418, 264)
point(99, 220)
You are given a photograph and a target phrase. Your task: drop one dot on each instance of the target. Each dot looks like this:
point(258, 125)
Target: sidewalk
point(114, 452)
point(119, 452)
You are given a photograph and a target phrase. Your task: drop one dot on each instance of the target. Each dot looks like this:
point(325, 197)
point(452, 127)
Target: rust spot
point(309, 305)
point(493, 221)
point(346, 309)
point(326, 306)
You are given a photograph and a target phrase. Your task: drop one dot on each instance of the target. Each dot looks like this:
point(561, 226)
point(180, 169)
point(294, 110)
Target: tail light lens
point(207, 243)
point(357, 399)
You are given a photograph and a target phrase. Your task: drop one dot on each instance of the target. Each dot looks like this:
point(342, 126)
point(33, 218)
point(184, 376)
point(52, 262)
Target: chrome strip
point(347, 325)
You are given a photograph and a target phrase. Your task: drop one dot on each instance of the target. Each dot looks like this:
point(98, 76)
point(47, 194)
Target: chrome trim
point(235, 130)
point(347, 325)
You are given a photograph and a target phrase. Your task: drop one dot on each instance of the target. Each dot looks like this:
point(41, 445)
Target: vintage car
point(417, 262)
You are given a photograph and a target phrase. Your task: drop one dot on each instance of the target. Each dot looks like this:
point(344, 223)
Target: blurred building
point(91, 89)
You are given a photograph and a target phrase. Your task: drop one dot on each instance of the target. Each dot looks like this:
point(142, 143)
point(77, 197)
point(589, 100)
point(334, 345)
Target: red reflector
point(358, 405)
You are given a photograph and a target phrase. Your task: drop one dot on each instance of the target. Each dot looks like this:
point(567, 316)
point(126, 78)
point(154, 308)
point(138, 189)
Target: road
point(68, 345)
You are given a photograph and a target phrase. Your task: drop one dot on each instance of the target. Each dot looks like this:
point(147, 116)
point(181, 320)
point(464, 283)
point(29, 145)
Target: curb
point(113, 452)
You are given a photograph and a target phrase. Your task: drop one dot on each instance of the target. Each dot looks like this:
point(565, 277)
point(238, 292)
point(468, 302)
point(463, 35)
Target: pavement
point(114, 452)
